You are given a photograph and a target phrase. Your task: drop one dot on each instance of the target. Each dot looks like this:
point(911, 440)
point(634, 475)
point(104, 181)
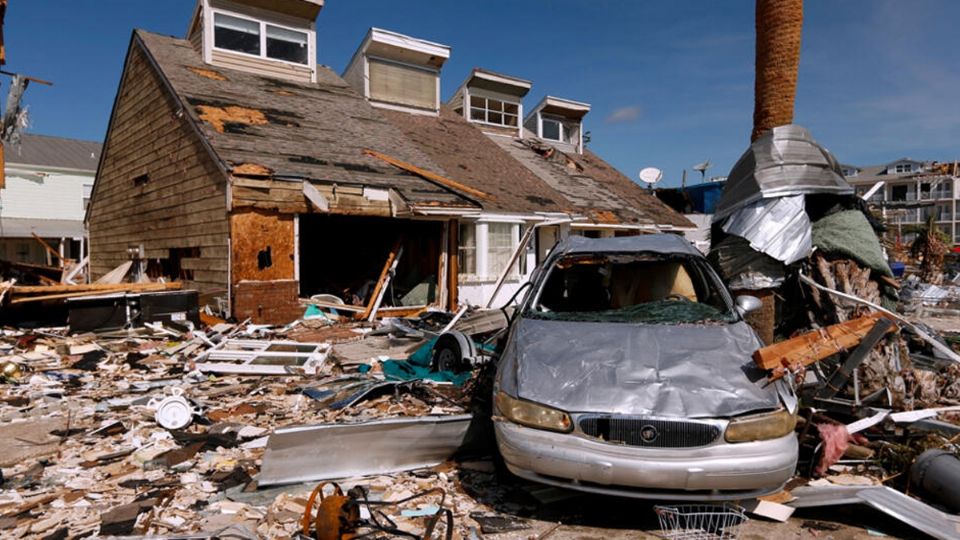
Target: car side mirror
point(746, 304)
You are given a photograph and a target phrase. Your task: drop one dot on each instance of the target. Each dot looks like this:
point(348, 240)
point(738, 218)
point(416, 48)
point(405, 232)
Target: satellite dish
point(651, 175)
point(702, 169)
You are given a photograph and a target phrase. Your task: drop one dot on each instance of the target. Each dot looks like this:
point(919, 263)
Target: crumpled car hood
point(686, 371)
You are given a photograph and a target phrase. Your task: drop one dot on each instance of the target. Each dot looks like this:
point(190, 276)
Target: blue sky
point(671, 82)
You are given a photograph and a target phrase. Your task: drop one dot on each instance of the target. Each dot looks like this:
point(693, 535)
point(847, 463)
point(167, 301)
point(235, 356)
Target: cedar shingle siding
point(180, 203)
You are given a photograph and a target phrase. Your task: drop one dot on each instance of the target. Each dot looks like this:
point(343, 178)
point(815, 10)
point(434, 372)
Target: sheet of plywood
point(252, 232)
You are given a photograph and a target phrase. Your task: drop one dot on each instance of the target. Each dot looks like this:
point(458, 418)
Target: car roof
point(656, 243)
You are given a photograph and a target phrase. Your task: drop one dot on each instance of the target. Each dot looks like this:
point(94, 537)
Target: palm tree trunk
point(779, 26)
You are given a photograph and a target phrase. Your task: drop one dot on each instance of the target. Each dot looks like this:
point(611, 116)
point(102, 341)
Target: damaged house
point(235, 163)
point(47, 189)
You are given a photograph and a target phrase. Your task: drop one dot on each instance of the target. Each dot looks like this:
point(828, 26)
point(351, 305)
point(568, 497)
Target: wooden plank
point(839, 378)
point(816, 345)
point(48, 248)
point(83, 287)
point(315, 197)
point(116, 275)
point(434, 177)
point(378, 291)
point(141, 287)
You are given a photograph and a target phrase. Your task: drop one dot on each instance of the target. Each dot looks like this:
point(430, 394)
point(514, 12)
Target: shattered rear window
point(633, 288)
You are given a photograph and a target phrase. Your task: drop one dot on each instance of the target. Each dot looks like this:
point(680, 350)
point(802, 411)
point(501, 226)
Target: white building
point(48, 185)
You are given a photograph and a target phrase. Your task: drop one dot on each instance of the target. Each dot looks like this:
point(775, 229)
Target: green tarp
point(849, 234)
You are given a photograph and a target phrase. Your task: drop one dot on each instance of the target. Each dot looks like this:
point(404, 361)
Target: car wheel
point(452, 352)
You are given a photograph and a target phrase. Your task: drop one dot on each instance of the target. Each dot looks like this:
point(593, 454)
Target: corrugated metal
point(778, 227)
point(46, 151)
point(785, 161)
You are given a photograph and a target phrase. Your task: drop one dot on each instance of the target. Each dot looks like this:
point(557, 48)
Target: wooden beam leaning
point(434, 177)
point(816, 345)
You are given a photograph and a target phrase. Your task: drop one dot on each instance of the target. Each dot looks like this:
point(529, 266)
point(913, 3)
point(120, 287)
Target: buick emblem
point(648, 434)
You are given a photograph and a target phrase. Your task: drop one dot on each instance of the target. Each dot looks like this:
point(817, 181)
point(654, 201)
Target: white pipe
point(920, 333)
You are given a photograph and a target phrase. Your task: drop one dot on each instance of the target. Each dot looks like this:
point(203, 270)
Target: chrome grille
point(648, 432)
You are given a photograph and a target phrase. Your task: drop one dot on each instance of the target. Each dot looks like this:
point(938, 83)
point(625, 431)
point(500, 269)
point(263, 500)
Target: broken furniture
point(114, 311)
point(260, 357)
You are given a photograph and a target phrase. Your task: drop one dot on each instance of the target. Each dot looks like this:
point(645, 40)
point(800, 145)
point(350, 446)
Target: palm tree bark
point(779, 27)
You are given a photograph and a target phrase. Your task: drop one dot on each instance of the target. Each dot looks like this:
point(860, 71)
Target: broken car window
point(644, 288)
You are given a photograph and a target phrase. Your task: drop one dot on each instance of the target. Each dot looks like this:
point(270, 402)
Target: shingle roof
point(47, 151)
point(470, 157)
point(318, 131)
point(591, 185)
point(287, 129)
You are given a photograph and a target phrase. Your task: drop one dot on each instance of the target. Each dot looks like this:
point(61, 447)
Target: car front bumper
point(720, 471)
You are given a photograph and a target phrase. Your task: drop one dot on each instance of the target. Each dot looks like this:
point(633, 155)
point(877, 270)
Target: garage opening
point(345, 255)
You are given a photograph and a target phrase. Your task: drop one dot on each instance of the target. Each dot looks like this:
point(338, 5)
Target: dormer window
point(903, 168)
point(560, 122)
point(395, 71)
point(236, 34)
point(553, 129)
point(257, 38)
point(286, 44)
point(492, 100)
point(271, 39)
point(494, 111)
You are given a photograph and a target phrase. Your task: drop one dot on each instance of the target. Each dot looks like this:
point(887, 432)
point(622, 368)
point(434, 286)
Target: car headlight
point(761, 427)
point(532, 414)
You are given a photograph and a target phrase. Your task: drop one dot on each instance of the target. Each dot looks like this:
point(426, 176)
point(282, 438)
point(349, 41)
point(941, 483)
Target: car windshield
point(634, 288)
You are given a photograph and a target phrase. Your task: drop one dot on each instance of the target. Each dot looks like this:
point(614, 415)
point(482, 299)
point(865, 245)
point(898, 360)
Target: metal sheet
point(895, 504)
point(329, 451)
point(745, 268)
point(784, 161)
point(692, 371)
point(778, 227)
point(653, 243)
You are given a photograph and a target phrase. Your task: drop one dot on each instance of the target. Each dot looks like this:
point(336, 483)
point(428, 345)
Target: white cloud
point(624, 115)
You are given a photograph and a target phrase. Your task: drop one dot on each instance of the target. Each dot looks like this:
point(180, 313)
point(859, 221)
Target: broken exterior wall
point(157, 185)
point(263, 275)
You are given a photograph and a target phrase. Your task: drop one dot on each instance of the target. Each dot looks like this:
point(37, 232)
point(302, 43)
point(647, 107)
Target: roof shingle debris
point(260, 126)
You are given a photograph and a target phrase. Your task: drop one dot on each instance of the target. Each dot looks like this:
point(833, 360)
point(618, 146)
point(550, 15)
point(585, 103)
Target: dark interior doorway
point(344, 256)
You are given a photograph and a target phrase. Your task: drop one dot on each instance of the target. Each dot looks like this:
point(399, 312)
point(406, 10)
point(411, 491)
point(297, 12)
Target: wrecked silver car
point(627, 371)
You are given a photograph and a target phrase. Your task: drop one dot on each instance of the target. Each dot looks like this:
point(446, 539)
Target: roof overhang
point(400, 47)
point(566, 108)
point(497, 82)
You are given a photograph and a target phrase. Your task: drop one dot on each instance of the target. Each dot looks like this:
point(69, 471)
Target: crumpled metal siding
point(690, 371)
point(778, 227)
point(784, 161)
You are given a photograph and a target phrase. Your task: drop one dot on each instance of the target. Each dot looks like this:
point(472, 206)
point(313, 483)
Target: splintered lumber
point(76, 291)
point(816, 345)
point(116, 275)
point(48, 248)
point(392, 259)
point(425, 174)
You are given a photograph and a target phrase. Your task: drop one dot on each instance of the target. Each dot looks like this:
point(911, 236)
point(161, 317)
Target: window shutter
point(394, 83)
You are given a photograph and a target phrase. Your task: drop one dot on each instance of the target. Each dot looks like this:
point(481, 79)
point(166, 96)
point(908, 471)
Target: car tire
point(453, 352)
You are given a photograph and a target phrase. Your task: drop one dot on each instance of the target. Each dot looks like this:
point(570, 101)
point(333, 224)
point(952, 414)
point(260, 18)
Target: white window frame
point(481, 235)
point(901, 168)
point(311, 38)
point(564, 132)
point(486, 111)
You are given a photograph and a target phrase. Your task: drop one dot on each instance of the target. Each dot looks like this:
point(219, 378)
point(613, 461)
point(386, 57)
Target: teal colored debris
point(417, 367)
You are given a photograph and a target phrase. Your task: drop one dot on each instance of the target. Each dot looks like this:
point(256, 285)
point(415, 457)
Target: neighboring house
point(909, 191)
point(235, 163)
point(48, 185)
